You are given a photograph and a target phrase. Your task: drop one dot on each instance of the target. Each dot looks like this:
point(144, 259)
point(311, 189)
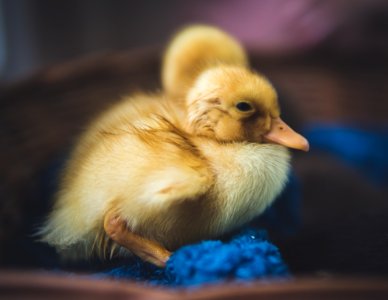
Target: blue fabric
point(245, 256)
point(364, 149)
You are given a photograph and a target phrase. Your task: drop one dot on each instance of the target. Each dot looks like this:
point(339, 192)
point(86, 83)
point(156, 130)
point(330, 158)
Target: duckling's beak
point(281, 133)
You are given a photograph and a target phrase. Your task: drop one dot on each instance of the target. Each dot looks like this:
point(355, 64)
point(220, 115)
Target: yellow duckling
point(158, 171)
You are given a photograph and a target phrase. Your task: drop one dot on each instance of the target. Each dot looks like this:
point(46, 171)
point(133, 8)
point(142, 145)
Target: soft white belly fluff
point(248, 179)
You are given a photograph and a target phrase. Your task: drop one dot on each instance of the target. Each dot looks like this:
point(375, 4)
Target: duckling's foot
point(146, 249)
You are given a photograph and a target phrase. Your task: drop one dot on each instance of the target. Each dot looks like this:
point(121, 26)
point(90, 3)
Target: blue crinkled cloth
point(364, 149)
point(245, 256)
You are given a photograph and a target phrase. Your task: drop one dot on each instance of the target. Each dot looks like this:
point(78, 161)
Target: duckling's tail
point(192, 51)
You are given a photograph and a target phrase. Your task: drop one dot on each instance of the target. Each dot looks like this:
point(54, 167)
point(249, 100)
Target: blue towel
point(364, 149)
point(246, 256)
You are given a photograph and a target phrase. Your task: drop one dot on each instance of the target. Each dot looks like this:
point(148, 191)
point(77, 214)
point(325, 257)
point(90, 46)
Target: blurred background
point(36, 33)
point(63, 62)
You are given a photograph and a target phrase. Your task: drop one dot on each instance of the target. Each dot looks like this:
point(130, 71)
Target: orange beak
point(280, 133)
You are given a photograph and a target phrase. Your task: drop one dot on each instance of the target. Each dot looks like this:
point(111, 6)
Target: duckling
point(158, 171)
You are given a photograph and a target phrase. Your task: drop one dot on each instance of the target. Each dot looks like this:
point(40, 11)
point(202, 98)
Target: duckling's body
point(174, 172)
point(167, 185)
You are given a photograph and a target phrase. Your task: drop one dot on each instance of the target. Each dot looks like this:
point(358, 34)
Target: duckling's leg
point(146, 249)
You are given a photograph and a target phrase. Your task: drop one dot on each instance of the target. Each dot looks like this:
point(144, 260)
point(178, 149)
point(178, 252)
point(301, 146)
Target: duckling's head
point(233, 104)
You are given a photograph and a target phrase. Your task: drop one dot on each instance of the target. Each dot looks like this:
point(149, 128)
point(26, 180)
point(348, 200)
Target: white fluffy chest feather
point(249, 177)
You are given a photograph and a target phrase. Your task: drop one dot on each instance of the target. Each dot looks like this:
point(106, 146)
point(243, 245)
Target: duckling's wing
point(170, 167)
point(176, 183)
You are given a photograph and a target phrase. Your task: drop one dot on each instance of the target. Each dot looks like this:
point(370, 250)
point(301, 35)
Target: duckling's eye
point(244, 106)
